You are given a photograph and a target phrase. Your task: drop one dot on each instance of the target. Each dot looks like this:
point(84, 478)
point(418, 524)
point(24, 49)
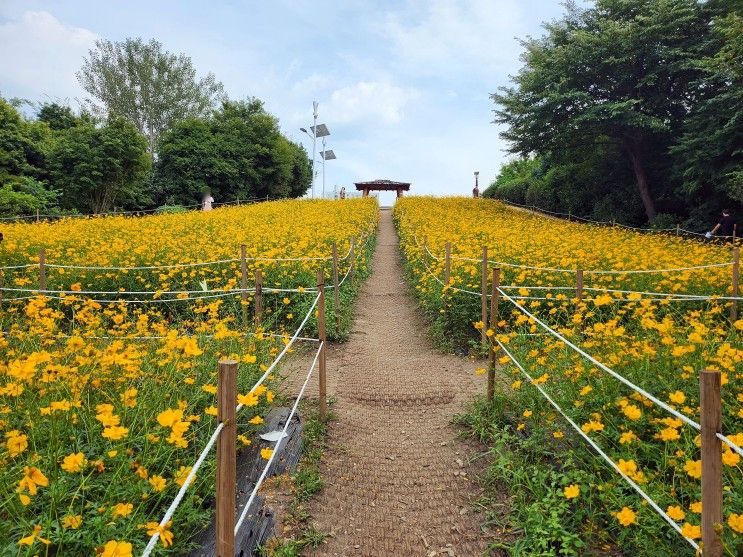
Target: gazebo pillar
point(399, 193)
point(366, 192)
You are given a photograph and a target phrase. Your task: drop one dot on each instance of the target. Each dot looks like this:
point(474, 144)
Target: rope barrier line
point(212, 440)
point(176, 265)
point(598, 449)
point(158, 337)
point(277, 446)
point(685, 419)
point(182, 491)
point(604, 223)
point(283, 352)
point(661, 296)
point(610, 371)
point(596, 271)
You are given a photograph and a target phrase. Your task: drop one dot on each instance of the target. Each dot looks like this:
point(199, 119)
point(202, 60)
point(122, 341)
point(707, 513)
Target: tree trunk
point(631, 146)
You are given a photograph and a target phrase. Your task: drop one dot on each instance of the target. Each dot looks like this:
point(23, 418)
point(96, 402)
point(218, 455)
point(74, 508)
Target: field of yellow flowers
point(107, 384)
point(565, 499)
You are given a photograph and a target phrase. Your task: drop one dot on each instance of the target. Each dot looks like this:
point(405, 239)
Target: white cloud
point(41, 55)
point(455, 36)
point(380, 101)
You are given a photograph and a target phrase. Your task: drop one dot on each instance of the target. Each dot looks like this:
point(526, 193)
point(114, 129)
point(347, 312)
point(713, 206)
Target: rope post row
point(321, 334)
point(352, 258)
point(494, 298)
point(42, 269)
point(579, 285)
point(484, 297)
point(735, 280)
point(711, 410)
point(226, 458)
point(336, 296)
point(244, 282)
point(425, 249)
point(258, 297)
point(447, 268)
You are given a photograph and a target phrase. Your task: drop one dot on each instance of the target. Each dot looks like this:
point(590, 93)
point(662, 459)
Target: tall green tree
point(98, 168)
point(237, 153)
point(622, 71)
point(147, 85)
point(710, 151)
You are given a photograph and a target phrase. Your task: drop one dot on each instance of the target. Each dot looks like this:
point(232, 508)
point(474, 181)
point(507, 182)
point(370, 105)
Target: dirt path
point(396, 477)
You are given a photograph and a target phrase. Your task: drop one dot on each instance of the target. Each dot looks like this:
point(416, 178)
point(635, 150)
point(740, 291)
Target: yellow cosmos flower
point(693, 468)
point(572, 491)
point(116, 548)
point(165, 535)
point(675, 512)
point(122, 509)
point(691, 531)
point(72, 521)
point(735, 521)
point(266, 453)
point(677, 397)
point(34, 537)
point(626, 517)
point(73, 463)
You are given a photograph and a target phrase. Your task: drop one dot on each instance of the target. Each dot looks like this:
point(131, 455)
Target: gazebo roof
point(374, 185)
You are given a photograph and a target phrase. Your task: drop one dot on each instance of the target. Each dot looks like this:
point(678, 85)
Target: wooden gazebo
point(382, 185)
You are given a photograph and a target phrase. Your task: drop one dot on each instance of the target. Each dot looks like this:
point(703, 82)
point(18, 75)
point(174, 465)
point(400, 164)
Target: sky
point(404, 86)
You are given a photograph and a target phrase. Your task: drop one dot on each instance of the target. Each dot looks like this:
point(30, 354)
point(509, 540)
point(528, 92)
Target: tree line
point(151, 135)
point(629, 110)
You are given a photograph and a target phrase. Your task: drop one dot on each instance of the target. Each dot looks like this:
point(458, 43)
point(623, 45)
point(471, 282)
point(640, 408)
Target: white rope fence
point(590, 441)
point(685, 419)
point(212, 440)
point(277, 447)
point(176, 265)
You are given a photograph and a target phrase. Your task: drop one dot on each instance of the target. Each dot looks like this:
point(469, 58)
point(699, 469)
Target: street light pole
point(314, 145)
point(324, 156)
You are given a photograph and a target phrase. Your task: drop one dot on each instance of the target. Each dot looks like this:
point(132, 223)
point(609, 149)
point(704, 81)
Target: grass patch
point(306, 482)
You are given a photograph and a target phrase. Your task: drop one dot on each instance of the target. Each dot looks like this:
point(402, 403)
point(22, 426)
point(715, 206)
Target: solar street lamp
point(327, 155)
point(320, 130)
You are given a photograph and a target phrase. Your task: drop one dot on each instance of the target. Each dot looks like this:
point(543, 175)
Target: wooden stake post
point(711, 410)
point(447, 268)
point(321, 334)
point(494, 298)
point(736, 278)
point(579, 284)
point(258, 297)
point(226, 458)
point(42, 269)
point(336, 294)
point(244, 282)
point(484, 296)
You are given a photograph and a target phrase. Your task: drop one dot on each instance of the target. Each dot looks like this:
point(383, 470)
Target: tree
point(57, 116)
point(147, 85)
point(710, 151)
point(237, 153)
point(21, 144)
point(621, 72)
point(97, 167)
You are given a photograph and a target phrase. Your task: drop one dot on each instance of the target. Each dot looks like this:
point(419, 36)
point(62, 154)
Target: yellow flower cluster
point(104, 405)
point(655, 342)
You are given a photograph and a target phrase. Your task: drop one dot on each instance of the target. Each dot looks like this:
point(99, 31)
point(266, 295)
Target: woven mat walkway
point(396, 477)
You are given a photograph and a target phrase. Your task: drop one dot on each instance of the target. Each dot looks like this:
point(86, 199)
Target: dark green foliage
point(100, 167)
point(629, 103)
point(236, 153)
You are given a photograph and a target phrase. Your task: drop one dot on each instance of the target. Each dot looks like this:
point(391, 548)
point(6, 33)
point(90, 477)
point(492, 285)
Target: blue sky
point(403, 86)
